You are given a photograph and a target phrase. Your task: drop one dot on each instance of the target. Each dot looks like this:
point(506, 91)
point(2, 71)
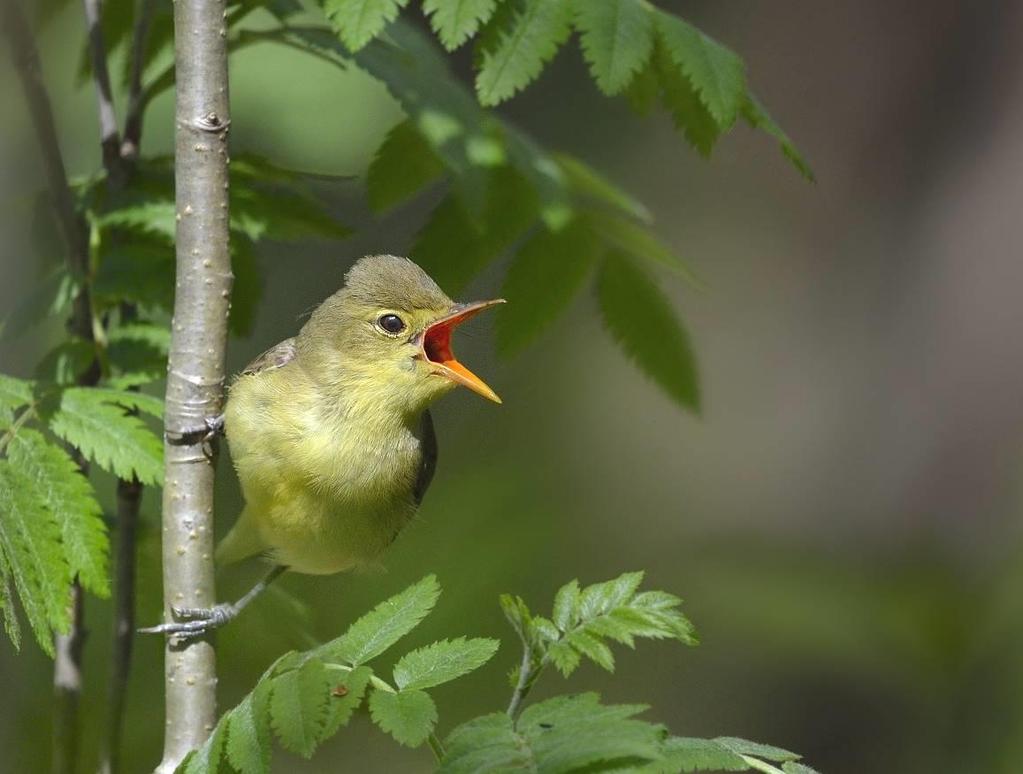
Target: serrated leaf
point(766, 751)
point(455, 21)
point(542, 280)
point(535, 34)
point(359, 21)
point(403, 165)
point(617, 37)
point(517, 613)
point(591, 647)
point(566, 600)
point(757, 116)
point(601, 598)
point(56, 483)
point(208, 759)
point(793, 767)
point(14, 393)
point(643, 90)
point(91, 420)
point(11, 625)
point(137, 354)
point(31, 547)
point(680, 98)
point(281, 212)
point(543, 630)
point(716, 73)
point(408, 716)
point(567, 733)
point(298, 706)
point(156, 217)
point(345, 697)
point(383, 626)
point(248, 732)
point(689, 754)
point(565, 658)
point(643, 323)
point(442, 662)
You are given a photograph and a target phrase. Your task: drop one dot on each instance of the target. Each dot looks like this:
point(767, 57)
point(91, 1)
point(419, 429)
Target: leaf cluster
point(51, 525)
point(305, 698)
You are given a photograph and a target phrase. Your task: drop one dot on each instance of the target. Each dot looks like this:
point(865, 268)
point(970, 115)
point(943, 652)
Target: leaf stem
point(529, 671)
point(16, 425)
point(759, 765)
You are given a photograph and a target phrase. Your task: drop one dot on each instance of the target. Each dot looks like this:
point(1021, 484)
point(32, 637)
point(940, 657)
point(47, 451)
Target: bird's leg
point(212, 427)
point(197, 621)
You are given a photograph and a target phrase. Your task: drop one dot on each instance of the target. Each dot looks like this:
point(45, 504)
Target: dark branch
point(109, 137)
point(136, 102)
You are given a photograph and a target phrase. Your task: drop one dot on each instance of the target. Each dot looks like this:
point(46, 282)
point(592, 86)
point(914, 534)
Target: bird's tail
point(240, 543)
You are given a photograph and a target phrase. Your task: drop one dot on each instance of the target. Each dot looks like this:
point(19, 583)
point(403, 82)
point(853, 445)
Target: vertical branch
point(136, 104)
point(195, 376)
point(109, 137)
point(67, 677)
point(129, 495)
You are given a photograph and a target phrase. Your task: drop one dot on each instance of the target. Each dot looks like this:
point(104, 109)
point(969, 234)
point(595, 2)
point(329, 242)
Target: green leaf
point(11, 625)
point(359, 21)
point(643, 90)
point(716, 73)
point(757, 116)
point(602, 598)
point(208, 759)
point(404, 164)
point(30, 542)
point(638, 241)
point(14, 393)
point(455, 21)
point(442, 662)
point(542, 280)
point(688, 754)
point(408, 716)
point(91, 420)
point(766, 751)
point(690, 114)
point(566, 603)
point(591, 647)
point(135, 267)
point(792, 767)
point(534, 35)
point(281, 212)
point(383, 626)
point(345, 697)
point(565, 658)
point(55, 481)
point(248, 732)
point(641, 320)
point(584, 181)
point(298, 706)
point(137, 353)
point(567, 733)
point(67, 361)
point(155, 217)
point(617, 37)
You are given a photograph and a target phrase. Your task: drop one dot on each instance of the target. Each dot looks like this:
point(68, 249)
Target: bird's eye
point(391, 323)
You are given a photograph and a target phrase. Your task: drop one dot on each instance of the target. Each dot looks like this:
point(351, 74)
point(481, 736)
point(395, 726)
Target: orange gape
point(437, 348)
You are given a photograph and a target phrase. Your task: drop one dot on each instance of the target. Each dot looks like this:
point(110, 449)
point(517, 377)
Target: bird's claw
point(212, 427)
point(194, 621)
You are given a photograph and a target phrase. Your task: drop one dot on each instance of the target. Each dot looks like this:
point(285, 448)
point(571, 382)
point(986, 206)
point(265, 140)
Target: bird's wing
point(275, 357)
point(429, 461)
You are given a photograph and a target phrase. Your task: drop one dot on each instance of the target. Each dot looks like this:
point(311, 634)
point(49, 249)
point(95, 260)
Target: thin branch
point(110, 140)
point(67, 687)
point(195, 375)
point(527, 676)
point(136, 104)
point(129, 497)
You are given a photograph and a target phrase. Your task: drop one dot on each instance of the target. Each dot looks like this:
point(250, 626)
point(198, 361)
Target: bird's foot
point(194, 621)
point(212, 427)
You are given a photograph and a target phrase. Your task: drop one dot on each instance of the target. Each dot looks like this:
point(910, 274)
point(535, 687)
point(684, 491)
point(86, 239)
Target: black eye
point(391, 323)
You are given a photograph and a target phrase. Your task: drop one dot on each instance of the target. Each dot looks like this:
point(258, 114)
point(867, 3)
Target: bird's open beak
point(435, 347)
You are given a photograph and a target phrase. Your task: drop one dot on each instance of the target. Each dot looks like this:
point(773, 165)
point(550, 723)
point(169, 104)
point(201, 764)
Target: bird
point(330, 431)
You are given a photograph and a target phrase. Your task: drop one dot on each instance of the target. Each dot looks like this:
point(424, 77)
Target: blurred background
point(843, 520)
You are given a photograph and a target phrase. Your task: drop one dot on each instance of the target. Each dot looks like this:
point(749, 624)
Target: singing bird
point(330, 430)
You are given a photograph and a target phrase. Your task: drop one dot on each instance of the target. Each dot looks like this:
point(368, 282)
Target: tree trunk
point(195, 377)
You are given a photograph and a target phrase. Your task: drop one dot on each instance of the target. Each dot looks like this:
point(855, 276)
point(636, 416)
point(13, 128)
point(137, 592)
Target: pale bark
point(195, 378)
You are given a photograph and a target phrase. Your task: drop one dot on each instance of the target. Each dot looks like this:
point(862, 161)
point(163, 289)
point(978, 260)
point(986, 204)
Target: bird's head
point(387, 332)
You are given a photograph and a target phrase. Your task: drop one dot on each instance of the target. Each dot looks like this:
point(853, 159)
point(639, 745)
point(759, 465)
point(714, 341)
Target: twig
point(67, 687)
point(110, 140)
point(129, 496)
point(527, 676)
point(195, 373)
point(136, 104)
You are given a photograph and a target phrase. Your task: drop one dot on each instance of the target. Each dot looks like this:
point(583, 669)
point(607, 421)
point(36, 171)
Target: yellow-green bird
point(330, 433)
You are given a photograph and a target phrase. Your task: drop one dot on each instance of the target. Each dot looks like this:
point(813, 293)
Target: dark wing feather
point(275, 357)
point(429, 462)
